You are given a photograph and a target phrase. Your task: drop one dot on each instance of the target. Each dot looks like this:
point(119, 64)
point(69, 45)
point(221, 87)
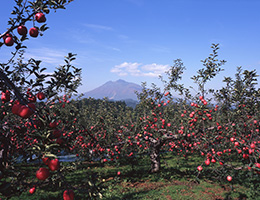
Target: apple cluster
point(22, 30)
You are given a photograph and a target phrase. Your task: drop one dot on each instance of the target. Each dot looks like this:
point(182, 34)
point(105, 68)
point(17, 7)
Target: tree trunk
point(4, 146)
point(155, 147)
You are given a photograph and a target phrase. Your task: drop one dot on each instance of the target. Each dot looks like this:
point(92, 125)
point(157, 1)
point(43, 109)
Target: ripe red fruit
point(40, 17)
point(236, 144)
point(16, 108)
point(22, 30)
point(252, 146)
point(6, 35)
point(9, 41)
point(46, 160)
point(54, 164)
point(32, 98)
point(245, 156)
point(42, 173)
point(199, 168)
point(26, 111)
point(40, 95)
point(5, 96)
point(229, 178)
point(33, 32)
point(166, 93)
point(68, 195)
point(207, 162)
point(32, 190)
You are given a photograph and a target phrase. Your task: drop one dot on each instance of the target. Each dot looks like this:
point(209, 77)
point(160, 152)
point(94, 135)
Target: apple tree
point(32, 127)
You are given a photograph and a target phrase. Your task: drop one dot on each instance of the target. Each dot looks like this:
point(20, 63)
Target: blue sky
point(136, 40)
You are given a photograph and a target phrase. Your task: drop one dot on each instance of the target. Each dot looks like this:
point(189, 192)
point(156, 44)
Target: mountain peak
point(121, 81)
point(115, 90)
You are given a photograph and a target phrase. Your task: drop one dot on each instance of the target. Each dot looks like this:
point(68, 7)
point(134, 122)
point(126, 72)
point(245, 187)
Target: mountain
point(115, 90)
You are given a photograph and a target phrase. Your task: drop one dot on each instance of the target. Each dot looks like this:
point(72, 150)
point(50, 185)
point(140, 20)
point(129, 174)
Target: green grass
point(178, 179)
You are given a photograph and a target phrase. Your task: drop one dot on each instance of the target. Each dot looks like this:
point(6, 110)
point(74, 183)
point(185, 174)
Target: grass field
point(178, 179)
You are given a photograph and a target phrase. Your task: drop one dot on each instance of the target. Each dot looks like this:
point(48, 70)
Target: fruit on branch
point(32, 190)
point(16, 108)
point(68, 195)
point(26, 111)
point(54, 164)
point(42, 173)
point(5, 96)
point(6, 35)
point(33, 32)
point(22, 30)
point(199, 168)
point(32, 98)
point(40, 95)
point(46, 160)
point(9, 41)
point(229, 178)
point(40, 17)
point(207, 162)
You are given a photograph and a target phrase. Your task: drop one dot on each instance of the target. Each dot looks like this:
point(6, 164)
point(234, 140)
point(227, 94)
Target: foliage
point(39, 121)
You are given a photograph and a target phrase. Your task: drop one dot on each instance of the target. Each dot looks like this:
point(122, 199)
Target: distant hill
point(115, 90)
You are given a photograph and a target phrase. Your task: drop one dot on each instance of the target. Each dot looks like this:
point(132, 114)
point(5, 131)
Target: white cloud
point(47, 55)
point(138, 69)
point(98, 27)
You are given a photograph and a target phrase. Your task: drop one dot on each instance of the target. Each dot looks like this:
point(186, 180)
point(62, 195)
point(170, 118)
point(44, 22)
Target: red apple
point(40, 95)
point(32, 190)
point(46, 160)
point(22, 30)
point(16, 107)
point(32, 98)
point(33, 32)
point(68, 195)
point(199, 168)
point(40, 17)
point(26, 111)
point(6, 35)
point(54, 164)
point(5, 96)
point(9, 41)
point(252, 146)
point(207, 162)
point(229, 178)
point(42, 173)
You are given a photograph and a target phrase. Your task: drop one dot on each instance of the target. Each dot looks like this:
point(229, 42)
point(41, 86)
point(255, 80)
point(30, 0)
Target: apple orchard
point(40, 121)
